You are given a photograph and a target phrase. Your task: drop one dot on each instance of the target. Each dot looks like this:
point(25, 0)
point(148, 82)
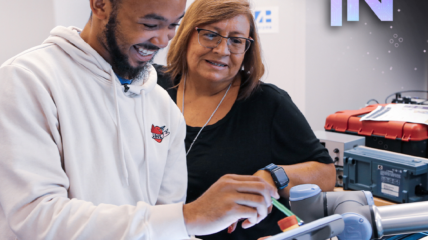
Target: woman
point(235, 123)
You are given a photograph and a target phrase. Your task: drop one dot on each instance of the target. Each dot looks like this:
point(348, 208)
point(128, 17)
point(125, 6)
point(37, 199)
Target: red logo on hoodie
point(159, 133)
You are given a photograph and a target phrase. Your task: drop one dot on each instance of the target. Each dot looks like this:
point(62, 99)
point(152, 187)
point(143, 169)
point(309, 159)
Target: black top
point(265, 128)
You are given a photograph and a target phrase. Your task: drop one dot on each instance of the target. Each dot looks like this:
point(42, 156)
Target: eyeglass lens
point(212, 40)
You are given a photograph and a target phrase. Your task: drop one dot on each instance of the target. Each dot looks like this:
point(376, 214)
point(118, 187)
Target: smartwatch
point(278, 175)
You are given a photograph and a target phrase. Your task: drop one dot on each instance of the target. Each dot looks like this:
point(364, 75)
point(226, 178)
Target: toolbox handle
point(341, 118)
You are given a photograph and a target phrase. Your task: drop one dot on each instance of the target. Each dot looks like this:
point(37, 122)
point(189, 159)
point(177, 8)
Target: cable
point(285, 210)
point(386, 99)
point(371, 100)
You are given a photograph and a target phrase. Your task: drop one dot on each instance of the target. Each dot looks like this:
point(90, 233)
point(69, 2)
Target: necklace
point(182, 111)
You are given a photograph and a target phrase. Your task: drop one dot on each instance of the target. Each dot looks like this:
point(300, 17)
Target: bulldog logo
point(159, 133)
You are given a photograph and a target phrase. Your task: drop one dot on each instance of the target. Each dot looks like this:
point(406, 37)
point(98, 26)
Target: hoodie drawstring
point(136, 91)
point(125, 179)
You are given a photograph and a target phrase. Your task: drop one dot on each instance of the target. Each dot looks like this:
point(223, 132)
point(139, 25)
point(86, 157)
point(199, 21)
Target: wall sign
point(383, 9)
point(267, 19)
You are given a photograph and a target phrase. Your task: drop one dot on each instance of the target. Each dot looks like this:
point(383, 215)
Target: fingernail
point(229, 229)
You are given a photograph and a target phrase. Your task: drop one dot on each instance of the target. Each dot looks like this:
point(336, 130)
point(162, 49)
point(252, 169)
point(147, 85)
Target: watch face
point(281, 176)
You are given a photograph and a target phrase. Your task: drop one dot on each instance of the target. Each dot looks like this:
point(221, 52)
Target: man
point(92, 148)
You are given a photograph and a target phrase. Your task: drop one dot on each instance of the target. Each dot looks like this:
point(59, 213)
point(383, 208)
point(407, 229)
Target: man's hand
point(265, 175)
point(231, 198)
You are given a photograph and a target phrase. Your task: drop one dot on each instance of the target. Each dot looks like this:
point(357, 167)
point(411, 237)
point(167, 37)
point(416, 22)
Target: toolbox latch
point(406, 138)
point(367, 132)
point(395, 130)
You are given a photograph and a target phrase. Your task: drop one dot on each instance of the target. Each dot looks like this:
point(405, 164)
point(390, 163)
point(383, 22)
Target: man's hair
point(203, 12)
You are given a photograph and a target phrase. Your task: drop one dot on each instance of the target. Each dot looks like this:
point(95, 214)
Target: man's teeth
point(145, 52)
point(218, 64)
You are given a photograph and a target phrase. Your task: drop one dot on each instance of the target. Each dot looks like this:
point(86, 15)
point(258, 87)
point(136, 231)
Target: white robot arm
point(325, 212)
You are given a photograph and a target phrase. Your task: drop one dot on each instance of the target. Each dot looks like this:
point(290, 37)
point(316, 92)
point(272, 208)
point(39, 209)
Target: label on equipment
point(390, 189)
point(389, 180)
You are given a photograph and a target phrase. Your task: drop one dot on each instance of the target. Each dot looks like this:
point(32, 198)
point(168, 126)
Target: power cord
point(371, 100)
point(386, 99)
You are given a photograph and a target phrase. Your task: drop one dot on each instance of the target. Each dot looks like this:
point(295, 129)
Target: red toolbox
point(401, 137)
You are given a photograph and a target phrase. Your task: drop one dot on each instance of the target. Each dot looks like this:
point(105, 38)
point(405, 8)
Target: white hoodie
point(79, 158)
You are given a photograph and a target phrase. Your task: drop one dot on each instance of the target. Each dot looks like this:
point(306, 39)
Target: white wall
point(24, 24)
point(27, 23)
point(71, 12)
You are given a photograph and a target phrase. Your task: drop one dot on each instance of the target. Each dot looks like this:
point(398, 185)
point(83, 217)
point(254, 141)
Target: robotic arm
point(361, 218)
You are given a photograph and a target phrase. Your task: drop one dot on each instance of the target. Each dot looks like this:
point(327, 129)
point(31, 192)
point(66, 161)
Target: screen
point(281, 176)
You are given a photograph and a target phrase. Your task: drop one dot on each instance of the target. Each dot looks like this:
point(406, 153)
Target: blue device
point(397, 177)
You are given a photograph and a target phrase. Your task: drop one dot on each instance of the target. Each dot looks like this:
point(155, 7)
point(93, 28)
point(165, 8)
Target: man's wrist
point(189, 218)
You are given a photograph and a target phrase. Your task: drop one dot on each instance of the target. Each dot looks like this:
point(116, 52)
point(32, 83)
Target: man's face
point(136, 30)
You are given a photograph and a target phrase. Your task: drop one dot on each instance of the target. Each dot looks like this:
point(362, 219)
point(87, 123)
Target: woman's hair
point(203, 12)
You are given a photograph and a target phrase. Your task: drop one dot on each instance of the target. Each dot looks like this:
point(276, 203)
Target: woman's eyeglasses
point(210, 39)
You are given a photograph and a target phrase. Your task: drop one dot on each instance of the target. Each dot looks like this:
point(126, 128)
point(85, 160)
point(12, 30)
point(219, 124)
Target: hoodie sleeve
point(174, 182)
point(34, 201)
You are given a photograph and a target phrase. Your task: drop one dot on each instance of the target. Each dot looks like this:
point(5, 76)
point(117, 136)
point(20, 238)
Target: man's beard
point(120, 61)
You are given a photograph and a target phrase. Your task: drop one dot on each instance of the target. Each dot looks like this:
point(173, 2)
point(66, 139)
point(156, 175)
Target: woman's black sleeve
point(292, 139)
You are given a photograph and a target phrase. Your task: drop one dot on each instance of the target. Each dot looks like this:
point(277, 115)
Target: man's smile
point(143, 51)
point(143, 54)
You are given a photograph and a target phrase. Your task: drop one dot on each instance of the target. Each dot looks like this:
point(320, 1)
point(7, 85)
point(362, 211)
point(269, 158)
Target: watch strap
point(270, 167)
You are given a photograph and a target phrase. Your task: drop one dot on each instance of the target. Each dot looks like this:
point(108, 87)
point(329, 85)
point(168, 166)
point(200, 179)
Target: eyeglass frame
point(221, 39)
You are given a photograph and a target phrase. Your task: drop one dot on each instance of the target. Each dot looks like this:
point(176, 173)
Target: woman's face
point(204, 62)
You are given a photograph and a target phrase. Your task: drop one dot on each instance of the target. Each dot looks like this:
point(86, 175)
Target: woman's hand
point(265, 175)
